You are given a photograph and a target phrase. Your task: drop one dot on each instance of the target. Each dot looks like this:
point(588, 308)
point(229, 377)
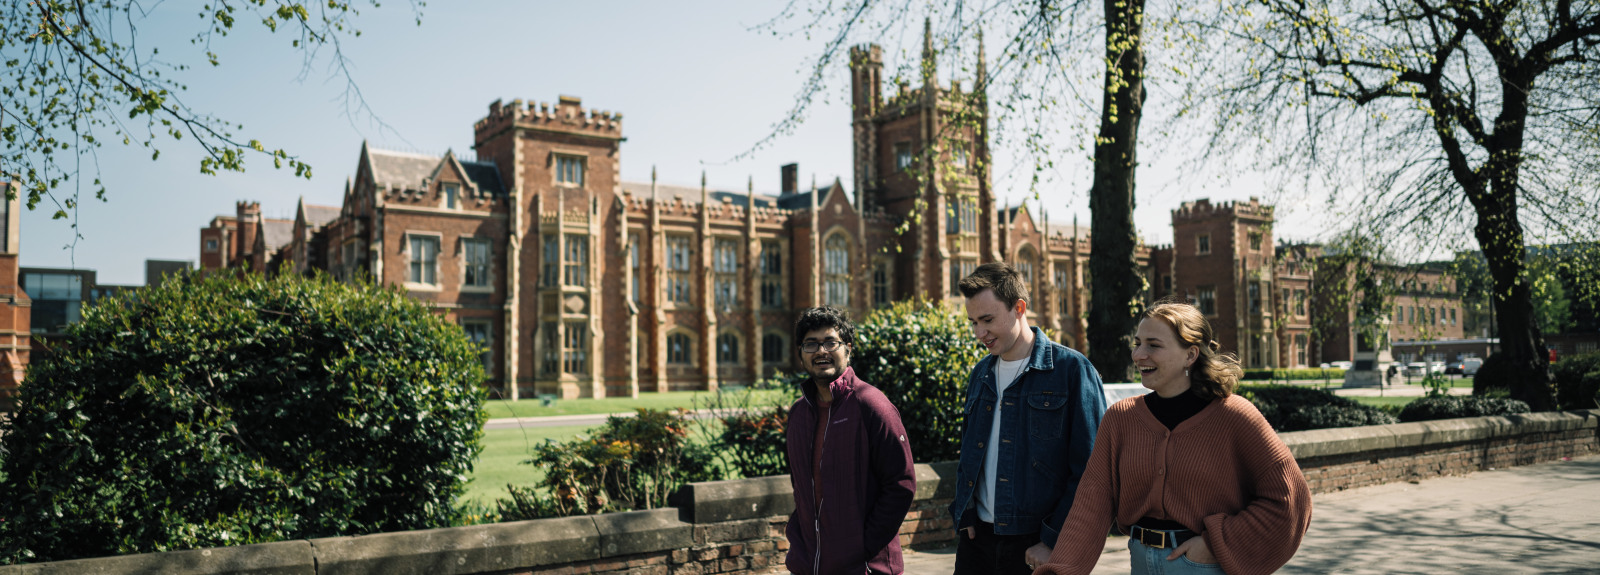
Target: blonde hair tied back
point(1214, 375)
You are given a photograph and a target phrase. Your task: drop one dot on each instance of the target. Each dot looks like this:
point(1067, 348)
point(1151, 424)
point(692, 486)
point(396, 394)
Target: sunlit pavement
point(1536, 519)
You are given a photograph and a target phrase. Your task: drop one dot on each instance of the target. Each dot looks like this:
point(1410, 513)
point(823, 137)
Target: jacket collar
point(1042, 357)
point(839, 387)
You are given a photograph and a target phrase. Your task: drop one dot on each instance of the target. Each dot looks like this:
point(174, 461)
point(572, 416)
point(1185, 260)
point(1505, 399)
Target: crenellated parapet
point(566, 115)
point(1203, 209)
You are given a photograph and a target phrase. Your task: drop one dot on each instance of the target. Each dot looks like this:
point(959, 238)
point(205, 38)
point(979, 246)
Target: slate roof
point(407, 171)
point(276, 233)
point(318, 216)
point(691, 195)
point(802, 200)
point(1068, 231)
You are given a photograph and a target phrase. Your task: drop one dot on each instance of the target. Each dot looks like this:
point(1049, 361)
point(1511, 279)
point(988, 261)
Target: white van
point(1470, 365)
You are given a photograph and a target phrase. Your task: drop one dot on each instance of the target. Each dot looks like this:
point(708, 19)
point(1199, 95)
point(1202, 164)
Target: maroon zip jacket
point(867, 477)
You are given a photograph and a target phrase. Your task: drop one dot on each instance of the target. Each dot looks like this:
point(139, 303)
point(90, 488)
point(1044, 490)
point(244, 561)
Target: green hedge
point(919, 354)
point(1453, 406)
point(1293, 374)
point(224, 411)
point(1293, 408)
point(1577, 379)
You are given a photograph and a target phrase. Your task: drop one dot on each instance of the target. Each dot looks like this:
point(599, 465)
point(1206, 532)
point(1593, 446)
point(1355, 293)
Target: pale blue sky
point(695, 83)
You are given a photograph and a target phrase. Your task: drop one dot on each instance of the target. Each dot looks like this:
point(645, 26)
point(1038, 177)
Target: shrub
point(1577, 379)
point(1293, 374)
point(1454, 406)
point(751, 438)
point(919, 354)
point(1493, 376)
point(1292, 408)
point(222, 411)
point(628, 463)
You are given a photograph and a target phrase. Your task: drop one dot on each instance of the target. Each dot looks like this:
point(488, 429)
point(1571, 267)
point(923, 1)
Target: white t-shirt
point(1005, 373)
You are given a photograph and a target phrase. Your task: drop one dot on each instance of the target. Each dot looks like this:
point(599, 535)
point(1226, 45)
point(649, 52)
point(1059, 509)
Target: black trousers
point(990, 554)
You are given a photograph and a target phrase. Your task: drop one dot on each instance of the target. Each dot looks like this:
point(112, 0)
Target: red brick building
point(582, 285)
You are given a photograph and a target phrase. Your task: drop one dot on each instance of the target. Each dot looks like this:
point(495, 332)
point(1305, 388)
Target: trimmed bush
point(1293, 374)
point(920, 353)
point(628, 463)
point(1577, 380)
point(1292, 408)
point(224, 411)
point(1454, 406)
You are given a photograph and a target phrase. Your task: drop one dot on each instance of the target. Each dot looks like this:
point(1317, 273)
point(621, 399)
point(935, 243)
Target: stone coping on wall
point(521, 545)
point(1376, 438)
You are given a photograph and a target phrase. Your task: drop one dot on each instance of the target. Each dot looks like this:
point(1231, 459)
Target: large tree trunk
point(1115, 298)
point(1499, 234)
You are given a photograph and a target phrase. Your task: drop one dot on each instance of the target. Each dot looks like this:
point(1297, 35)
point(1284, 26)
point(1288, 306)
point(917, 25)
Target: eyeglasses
point(813, 347)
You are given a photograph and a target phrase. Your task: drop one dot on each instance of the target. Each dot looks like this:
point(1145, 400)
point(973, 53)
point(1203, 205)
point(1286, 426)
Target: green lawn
point(504, 450)
point(499, 409)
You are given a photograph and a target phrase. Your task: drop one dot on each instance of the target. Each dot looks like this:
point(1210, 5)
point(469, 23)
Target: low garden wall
point(738, 526)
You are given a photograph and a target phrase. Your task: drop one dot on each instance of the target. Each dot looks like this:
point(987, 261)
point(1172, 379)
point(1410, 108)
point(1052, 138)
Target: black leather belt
point(1160, 539)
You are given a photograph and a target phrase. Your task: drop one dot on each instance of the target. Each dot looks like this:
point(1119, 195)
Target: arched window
point(836, 271)
point(1026, 261)
point(728, 348)
point(773, 350)
point(679, 348)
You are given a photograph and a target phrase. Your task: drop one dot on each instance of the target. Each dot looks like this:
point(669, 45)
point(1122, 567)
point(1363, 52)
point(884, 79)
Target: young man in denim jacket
point(1031, 413)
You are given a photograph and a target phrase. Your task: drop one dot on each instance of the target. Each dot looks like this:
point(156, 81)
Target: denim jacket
point(1053, 411)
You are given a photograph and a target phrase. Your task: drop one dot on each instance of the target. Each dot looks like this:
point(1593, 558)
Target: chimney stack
point(791, 178)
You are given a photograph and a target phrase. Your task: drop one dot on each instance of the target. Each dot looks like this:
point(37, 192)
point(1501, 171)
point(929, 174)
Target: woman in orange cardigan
point(1190, 472)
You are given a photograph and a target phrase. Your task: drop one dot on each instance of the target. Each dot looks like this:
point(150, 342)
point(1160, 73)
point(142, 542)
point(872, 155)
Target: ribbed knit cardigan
point(1222, 472)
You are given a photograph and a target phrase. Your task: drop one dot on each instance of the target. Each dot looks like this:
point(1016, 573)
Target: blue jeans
point(1148, 560)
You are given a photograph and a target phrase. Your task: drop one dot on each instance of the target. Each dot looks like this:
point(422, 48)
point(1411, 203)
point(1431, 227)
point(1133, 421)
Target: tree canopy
point(79, 74)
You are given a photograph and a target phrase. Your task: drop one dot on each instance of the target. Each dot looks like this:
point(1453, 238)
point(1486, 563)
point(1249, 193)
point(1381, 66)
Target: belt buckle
point(1161, 543)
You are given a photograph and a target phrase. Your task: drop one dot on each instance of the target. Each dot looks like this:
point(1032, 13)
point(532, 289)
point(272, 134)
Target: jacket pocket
point(1046, 417)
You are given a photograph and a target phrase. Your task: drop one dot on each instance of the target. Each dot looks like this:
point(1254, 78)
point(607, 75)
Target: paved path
point(1537, 519)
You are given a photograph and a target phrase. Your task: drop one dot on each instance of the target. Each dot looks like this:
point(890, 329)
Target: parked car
point(1417, 369)
point(1453, 368)
point(1436, 367)
point(1344, 365)
point(1469, 366)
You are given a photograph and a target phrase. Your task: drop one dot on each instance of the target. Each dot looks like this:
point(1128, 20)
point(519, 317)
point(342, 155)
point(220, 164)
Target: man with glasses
point(849, 462)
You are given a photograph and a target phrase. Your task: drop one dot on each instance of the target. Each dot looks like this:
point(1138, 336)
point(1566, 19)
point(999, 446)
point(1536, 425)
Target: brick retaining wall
point(738, 526)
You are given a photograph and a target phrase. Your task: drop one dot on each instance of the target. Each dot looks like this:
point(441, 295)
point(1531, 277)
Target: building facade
point(579, 284)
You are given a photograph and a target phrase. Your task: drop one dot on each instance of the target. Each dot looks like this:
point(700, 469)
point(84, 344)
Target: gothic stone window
point(960, 268)
point(679, 349)
point(569, 170)
point(633, 262)
point(836, 271)
point(477, 262)
point(773, 349)
point(575, 348)
point(577, 260)
point(551, 260)
point(678, 256)
point(728, 349)
point(725, 260)
point(771, 274)
point(880, 283)
point(902, 155)
point(1206, 300)
point(424, 268)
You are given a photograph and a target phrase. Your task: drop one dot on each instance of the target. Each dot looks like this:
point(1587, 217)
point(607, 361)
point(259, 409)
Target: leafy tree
point(1456, 111)
point(78, 74)
point(222, 411)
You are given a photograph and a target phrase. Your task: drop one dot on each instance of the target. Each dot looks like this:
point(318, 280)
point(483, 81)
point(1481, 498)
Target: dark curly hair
point(815, 318)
